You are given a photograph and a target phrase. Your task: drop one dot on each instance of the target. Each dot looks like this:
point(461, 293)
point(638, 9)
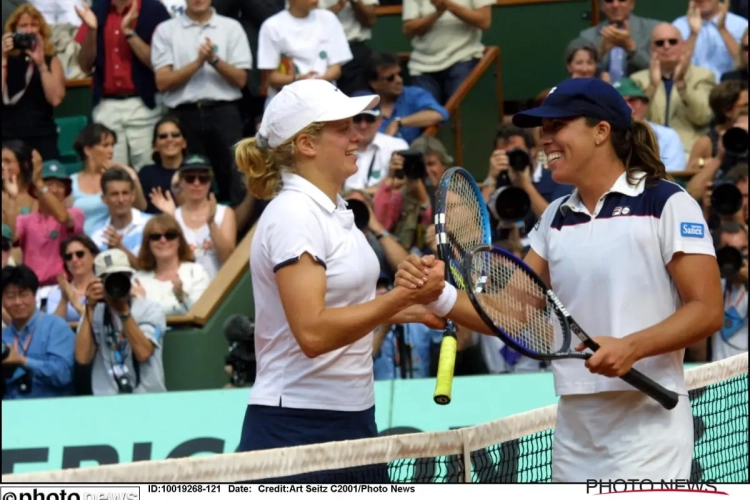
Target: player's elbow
point(311, 345)
point(715, 319)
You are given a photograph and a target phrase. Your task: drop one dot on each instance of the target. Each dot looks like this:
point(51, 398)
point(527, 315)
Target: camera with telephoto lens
point(414, 165)
point(730, 261)
point(24, 41)
point(509, 203)
point(117, 285)
point(735, 142)
point(361, 213)
point(239, 330)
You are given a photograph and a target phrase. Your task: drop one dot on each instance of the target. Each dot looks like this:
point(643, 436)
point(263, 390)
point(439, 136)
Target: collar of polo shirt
point(621, 185)
point(294, 182)
point(187, 22)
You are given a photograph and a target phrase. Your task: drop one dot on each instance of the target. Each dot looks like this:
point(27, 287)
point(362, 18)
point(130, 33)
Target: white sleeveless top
point(200, 241)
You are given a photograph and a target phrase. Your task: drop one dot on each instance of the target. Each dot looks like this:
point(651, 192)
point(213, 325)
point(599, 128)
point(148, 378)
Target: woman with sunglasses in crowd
point(168, 275)
point(210, 229)
point(170, 146)
point(67, 299)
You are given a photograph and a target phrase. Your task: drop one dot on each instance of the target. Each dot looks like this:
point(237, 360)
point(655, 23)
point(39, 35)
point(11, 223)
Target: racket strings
point(515, 303)
point(464, 225)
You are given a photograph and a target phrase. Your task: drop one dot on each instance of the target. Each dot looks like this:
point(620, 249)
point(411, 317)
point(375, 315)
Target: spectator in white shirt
point(168, 275)
point(67, 300)
point(446, 40)
point(124, 227)
point(310, 42)
point(59, 11)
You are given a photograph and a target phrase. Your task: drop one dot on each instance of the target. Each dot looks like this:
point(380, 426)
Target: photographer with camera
point(33, 82)
point(37, 348)
point(121, 334)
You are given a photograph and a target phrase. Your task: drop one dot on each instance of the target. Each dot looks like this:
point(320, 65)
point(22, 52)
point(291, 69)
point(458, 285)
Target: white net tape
point(290, 461)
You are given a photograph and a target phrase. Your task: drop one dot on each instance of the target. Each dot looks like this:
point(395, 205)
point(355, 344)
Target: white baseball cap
point(304, 102)
point(111, 261)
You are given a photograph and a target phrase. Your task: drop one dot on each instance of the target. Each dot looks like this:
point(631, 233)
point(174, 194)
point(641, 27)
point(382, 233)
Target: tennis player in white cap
point(314, 276)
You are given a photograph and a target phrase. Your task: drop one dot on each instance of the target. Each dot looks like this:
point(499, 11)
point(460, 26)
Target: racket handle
point(668, 399)
point(446, 366)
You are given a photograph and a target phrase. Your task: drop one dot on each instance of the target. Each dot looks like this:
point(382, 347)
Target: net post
point(466, 456)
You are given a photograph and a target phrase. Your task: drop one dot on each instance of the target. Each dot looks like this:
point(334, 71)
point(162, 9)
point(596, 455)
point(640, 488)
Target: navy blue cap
point(589, 97)
point(195, 162)
point(372, 111)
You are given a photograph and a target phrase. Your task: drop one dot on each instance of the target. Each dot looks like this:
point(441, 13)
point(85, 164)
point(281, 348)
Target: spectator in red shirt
point(115, 40)
point(39, 234)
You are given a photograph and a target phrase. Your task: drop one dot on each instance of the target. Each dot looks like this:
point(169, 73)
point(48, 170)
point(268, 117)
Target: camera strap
point(10, 101)
point(372, 165)
point(26, 344)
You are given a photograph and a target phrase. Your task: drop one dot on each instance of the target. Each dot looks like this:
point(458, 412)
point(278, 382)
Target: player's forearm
point(464, 314)
point(693, 322)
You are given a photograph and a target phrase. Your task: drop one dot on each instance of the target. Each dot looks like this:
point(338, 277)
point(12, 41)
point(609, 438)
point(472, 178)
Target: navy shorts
point(269, 427)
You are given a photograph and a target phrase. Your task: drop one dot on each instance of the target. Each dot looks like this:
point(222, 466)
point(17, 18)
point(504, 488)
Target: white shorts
point(621, 435)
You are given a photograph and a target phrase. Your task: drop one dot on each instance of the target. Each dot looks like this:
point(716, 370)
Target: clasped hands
point(424, 279)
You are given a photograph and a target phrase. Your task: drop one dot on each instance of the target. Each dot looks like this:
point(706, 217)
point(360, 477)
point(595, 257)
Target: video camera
point(414, 165)
point(509, 203)
point(239, 330)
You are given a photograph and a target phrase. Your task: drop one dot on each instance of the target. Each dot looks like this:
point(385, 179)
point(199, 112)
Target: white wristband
point(444, 304)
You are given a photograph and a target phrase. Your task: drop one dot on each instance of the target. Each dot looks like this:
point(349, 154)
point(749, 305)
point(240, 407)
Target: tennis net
point(516, 449)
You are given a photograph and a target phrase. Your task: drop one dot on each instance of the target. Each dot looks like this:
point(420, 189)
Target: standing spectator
point(17, 172)
point(33, 83)
point(124, 228)
point(436, 161)
point(95, 146)
point(170, 146)
point(712, 34)
point(740, 69)
point(67, 298)
point(357, 18)
point(583, 62)
point(210, 229)
point(407, 110)
point(678, 90)
point(446, 41)
point(168, 275)
point(312, 39)
point(39, 234)
point(621, 40)
point(121, 338)
point(201, 61)
point(40, 361)
point(115, 40)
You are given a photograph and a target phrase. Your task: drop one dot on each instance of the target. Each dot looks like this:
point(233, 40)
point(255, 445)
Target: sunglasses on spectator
point(364, 117)
point(174, 135)
point(672, 41)
point(392, 77)
point(7, 245)
point(202, 178)
point(78, 254)
point(169, 236)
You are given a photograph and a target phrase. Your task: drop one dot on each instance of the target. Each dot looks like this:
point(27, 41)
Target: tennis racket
point(521, 310)
point(461, 224)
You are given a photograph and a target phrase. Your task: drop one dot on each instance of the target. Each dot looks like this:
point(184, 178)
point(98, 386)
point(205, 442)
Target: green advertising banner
point(50, 434)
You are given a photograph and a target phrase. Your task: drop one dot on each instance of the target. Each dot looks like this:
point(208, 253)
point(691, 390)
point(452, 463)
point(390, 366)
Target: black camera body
point(239, 330)
point(117, 285)
point(509, 203)
point(361, 213)
point(414, 165)
point(518, 159)
point(730, 261)
point(735, 142)
point(123, 384)
point(24, 41)
point(726, 198)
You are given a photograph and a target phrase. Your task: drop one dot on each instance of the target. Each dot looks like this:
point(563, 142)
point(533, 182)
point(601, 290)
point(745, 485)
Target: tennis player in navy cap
point(630, 256)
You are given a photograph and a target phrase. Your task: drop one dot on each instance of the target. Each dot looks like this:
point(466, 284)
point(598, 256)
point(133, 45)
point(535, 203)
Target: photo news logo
point(597, 487)
point(64, 492)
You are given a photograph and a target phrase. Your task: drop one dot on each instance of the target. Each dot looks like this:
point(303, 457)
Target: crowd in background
point(149, 188)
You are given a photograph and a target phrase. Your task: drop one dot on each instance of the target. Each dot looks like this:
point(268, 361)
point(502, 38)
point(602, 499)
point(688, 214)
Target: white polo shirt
point(610, 271)
point(302, 219)
point(354, 30)
point(373, 163)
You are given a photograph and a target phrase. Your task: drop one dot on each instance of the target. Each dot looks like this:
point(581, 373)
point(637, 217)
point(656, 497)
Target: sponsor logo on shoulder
point(691, 229)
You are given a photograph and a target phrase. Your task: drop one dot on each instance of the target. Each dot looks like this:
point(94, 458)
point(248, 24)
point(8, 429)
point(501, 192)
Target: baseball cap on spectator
point(7, 233)
point(589, 97)
point(628, 88)
point(53, 169)
point(112, 261)
point(303, 103)
point(195, 162)
point(375, 110)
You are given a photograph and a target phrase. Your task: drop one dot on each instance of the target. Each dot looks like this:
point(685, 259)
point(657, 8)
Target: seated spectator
point(33, 83)
point(446, 42)
point(39, 233)
point(726, 101)
point(115, 40)
point(621, 40)
point(670, 145)
point(375, 150)
point(95, 147)
point(740, 68)
point(210, 229)
point(357, 17)
point(312, 39)
point(168, 275)
point(121, 338)
point(712, 34)
point(170, 147)
point(407, 110)
point(677, 90)
point(436, 160)
point(67, 299)
point(582, 62)
point(17, 171)
point(40, 359)
point(124, 228)
point(201, 60)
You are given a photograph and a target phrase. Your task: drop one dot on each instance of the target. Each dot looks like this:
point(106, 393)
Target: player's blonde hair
point(263, 166)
